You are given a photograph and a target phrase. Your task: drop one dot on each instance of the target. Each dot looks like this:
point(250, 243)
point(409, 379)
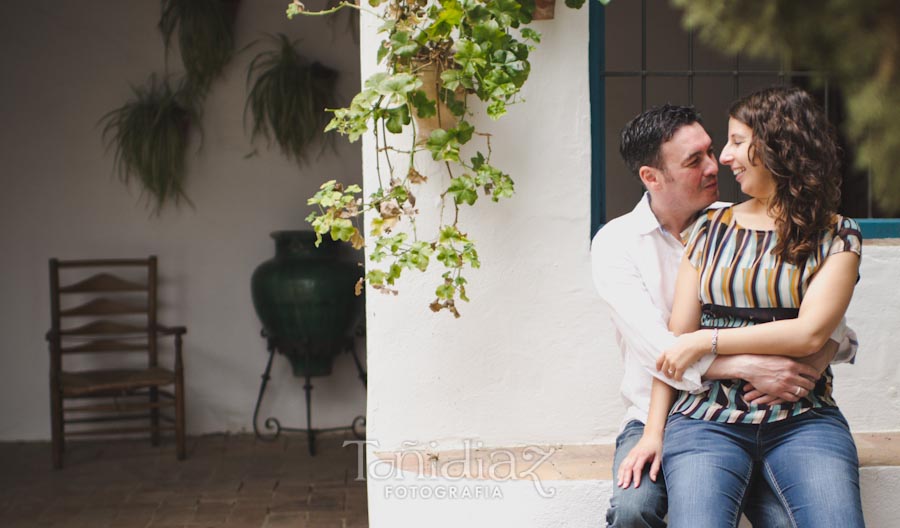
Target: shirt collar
point(645, 221)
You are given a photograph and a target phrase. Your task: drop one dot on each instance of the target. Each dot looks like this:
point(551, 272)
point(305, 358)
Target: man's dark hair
point(643, 136)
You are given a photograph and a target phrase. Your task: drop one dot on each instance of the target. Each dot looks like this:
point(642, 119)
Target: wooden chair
point(108, 320)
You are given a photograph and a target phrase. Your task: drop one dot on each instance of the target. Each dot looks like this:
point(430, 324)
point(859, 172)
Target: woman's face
point(755, 180)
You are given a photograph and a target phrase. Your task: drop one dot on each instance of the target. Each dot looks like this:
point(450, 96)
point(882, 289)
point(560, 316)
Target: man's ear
point(651, 177)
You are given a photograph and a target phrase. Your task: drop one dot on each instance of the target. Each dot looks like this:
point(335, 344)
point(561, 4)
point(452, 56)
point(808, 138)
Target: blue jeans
point(645, 507)
point(809, 461)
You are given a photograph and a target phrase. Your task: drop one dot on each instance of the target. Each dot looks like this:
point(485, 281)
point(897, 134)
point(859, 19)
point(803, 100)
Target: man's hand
point(768, 386)
point(776, 379)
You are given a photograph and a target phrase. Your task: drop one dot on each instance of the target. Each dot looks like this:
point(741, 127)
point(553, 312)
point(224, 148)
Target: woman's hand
point(686, 351)
point(647, 450)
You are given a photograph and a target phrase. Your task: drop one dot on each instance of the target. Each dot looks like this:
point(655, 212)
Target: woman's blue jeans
point(809, 461)
point(645, 507)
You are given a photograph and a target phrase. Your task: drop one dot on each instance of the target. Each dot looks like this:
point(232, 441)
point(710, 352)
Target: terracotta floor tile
point(228, 481)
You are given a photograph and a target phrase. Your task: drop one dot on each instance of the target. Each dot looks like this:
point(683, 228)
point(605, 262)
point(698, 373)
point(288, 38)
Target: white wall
point(68, 63)
point(533, 359)
point(520, 365)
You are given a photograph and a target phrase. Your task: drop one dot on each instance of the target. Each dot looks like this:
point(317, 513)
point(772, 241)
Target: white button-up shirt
point(635, 265)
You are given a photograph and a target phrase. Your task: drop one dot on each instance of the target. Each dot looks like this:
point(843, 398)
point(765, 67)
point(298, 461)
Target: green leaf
point(394, 273)
point(450, 234)
point(375, 277)
point(443, 145)
point(452, 79)
point(381, 53)
point(496, 109)
point(395, 88)
point(448, 16)
point(402, 45)
point(463, 190)
point(464, 132)
point(448, 257)
point(478, 160)
point(445, 291)
point(342, 229)
point(425, 107)
point(469, 53)
point(530, 34)
point(489, 32)
point(396, 118)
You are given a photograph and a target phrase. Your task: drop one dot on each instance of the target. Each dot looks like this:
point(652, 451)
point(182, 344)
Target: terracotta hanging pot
point(431, 83)
point(543, 9)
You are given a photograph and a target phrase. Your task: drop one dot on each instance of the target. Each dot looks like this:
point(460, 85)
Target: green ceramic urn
point(304, 297)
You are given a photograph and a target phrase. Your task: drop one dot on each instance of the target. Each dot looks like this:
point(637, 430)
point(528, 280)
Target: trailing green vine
point(436, 54)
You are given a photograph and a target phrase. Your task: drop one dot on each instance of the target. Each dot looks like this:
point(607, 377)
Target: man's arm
point(820, 313)
point(773, 377)
point(641, 323)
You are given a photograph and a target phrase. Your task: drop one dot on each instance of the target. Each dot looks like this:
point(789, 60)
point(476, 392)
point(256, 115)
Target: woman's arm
point(649, 447)
point(686, 305)
point(824, 304)
point(685, 318)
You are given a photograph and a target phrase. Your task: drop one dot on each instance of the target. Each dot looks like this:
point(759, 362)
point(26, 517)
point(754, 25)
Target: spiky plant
point(150, 134)
point(205, 37)
point(288, 97)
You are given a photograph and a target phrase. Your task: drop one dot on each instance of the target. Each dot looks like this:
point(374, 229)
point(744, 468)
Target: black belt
point(754, 315)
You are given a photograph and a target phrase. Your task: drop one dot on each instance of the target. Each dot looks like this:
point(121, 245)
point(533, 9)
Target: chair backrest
point(103, 306)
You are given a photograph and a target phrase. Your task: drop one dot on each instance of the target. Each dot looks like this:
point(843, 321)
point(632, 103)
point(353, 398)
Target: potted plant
point(205, 37)
point(288, 98)
point(150, 134)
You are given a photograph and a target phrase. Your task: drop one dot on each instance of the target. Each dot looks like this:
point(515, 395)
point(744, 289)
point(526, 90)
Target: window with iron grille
point(640, 57)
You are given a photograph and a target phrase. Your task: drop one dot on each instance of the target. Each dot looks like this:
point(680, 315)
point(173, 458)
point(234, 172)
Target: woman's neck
point(755, 213)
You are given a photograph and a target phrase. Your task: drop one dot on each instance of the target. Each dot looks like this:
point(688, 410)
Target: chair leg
point(179, 417)
point(56, 428)
point(154, 416)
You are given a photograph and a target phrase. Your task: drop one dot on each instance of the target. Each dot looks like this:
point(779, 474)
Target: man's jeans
point(809, 461)
point(646, 506)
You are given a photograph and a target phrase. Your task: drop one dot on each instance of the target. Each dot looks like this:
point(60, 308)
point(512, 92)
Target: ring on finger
point(797, 392)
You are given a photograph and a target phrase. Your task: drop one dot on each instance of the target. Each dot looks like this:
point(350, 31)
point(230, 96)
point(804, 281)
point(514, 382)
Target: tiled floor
point(232, 481)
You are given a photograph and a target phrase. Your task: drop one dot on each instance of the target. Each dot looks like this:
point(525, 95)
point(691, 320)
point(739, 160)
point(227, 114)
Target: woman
point(784, 258)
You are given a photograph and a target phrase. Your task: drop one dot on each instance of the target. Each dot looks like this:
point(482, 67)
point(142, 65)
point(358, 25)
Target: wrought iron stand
point(358, 426)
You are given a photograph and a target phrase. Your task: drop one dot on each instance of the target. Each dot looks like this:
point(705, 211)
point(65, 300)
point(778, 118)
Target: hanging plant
point(437, 54)
point(288, 96)
point(205, 37)
point(150, 134)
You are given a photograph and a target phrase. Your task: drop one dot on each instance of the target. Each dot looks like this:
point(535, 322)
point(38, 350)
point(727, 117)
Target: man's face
point(689, 169)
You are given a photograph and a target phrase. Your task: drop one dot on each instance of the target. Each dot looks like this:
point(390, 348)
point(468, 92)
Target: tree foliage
point(857, 42)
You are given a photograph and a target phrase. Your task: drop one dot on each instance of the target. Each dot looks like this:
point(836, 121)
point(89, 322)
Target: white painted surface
point(533, 359)
point(66, 65)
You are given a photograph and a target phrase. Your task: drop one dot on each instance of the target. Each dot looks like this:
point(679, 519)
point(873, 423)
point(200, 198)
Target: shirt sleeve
point(847, 237)
point(847, 342)
point(642, 325)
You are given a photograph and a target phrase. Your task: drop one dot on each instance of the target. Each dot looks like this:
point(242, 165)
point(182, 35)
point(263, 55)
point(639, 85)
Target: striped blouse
point(742, 283)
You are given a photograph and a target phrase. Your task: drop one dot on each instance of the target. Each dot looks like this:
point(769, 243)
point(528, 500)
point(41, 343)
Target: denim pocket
point(832, 414)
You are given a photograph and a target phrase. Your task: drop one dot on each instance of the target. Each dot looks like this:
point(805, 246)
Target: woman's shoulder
point(844, 235)
point(706, 222)
point(713, 214)
point(842, 222)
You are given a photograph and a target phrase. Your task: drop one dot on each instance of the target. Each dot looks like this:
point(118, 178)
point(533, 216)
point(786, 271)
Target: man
point(635, 259)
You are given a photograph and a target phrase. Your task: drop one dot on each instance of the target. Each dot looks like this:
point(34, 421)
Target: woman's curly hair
point(795, 142)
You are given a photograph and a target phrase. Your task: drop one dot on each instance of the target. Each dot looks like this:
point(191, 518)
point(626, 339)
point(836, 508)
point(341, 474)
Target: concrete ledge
point(572, 462)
